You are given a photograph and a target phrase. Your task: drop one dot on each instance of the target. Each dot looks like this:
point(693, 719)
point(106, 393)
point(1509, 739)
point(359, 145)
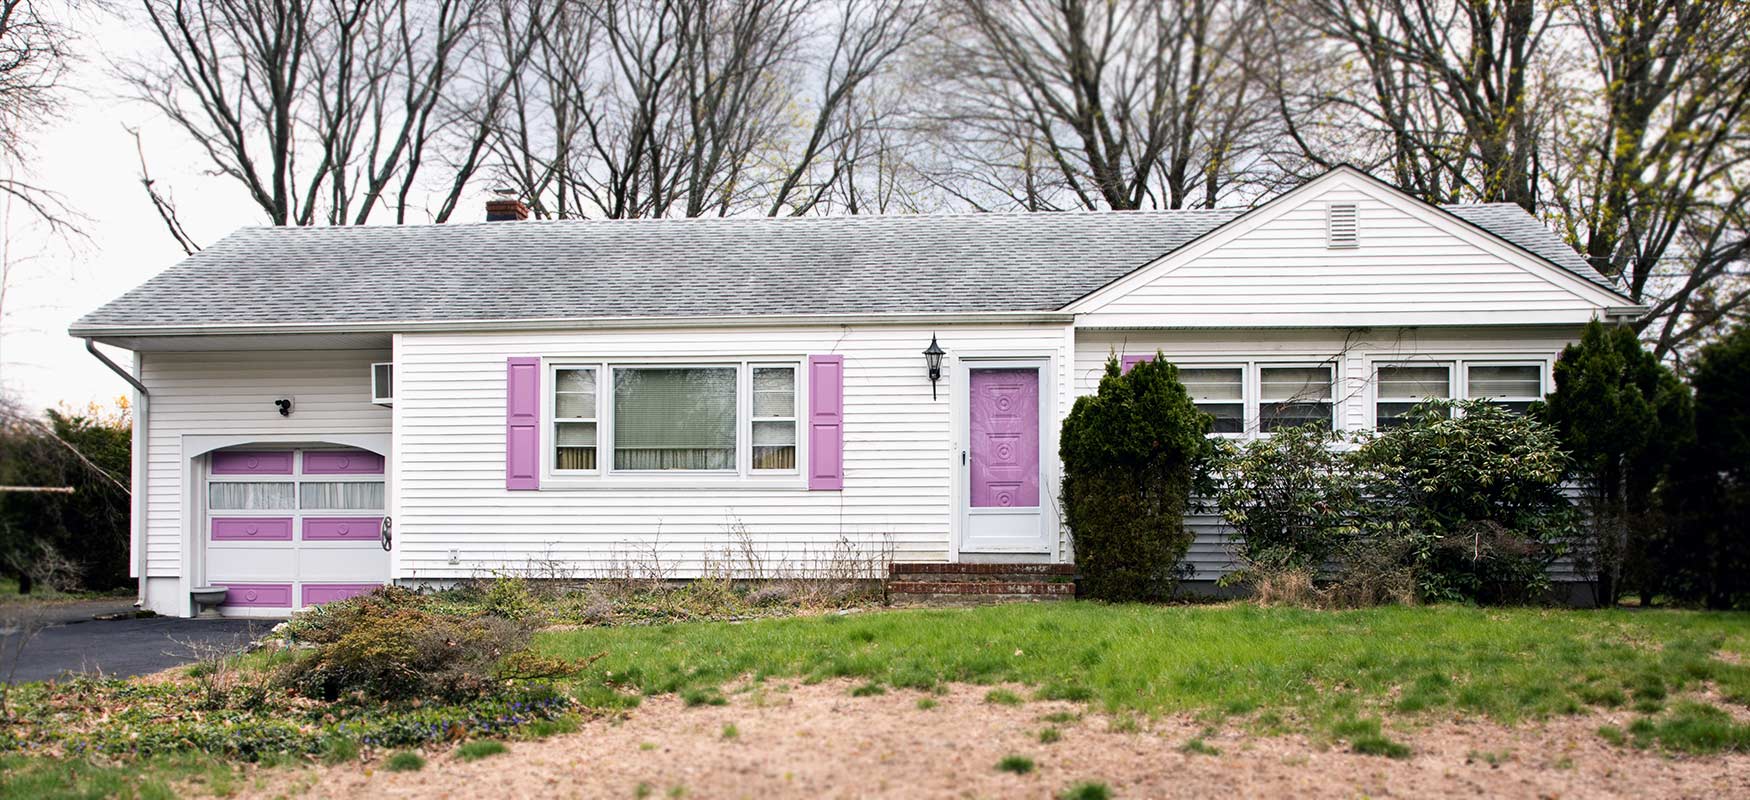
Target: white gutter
point(137, 469)
point(573, 323)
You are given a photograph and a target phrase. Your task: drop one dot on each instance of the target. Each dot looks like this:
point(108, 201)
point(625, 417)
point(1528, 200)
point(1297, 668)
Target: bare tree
point(1654, 180)
point(648, 108)
point(1450, 94)
point(36, 51)
point(326, 111)
point(1101, 104)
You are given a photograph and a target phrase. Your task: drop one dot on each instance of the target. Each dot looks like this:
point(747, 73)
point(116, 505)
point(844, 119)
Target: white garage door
point(292, 528)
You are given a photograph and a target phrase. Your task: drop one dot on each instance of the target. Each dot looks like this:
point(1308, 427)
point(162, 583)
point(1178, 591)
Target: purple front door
point(1002, 510)
point(1003, 421)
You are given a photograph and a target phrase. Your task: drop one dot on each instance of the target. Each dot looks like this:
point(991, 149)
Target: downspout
point(142, 403)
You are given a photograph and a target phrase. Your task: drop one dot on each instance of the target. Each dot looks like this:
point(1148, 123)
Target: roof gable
point(1414, 264)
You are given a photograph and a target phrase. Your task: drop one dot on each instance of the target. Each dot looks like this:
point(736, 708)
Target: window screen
point(774, 418)
point(674, 418)
point(574, 419)
point(1513, 387)
point(1218, 392)
point(1294, 396)
point(1401, 387)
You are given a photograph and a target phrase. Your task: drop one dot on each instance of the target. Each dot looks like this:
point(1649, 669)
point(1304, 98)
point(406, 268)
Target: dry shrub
point(383, 647)
point(1292, 586)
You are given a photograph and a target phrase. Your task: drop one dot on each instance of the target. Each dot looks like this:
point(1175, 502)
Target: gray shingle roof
point(578, 269)
point(1510, 222)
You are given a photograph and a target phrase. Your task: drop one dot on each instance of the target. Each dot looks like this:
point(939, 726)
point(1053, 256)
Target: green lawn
point(1269, 668)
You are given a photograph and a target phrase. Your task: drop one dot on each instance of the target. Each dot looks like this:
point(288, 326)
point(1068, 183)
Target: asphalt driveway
point(75, 643)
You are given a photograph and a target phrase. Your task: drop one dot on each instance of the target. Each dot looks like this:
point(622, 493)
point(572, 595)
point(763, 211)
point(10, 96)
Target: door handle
point(962, 458)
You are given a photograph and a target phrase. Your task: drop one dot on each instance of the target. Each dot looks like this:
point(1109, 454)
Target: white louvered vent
point(1342, 225)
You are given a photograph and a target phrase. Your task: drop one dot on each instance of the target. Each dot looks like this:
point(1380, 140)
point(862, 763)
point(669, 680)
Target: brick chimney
point(505, 206)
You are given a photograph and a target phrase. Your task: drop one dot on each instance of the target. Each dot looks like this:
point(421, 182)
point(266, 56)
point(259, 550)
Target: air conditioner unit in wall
point(383, 383)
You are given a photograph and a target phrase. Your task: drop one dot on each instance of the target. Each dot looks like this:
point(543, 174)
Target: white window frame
point(1251, 386)
point(795, 419)
point(1460, 364)
point(1256, 428)
point(1248, 395)
point(606, 476)
point(1543, 378)
point(1453, 370)
point(551, 441)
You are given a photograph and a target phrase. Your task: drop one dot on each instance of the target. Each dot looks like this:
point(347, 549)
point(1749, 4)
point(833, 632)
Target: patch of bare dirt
point(819, 742)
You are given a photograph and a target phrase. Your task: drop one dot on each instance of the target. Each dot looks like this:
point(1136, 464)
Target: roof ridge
point(842, 218)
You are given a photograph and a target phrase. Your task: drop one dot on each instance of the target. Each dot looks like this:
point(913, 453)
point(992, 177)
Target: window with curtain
point(674, 418)
point(1511, 386)
point(1220, 393)
point(1400, 387)
point(341, 495)
point(774, 418)
point(250, 495)
point(574, 419)
point(1294, 396)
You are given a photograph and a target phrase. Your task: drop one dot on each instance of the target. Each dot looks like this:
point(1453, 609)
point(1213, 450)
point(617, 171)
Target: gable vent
point(1342, 225)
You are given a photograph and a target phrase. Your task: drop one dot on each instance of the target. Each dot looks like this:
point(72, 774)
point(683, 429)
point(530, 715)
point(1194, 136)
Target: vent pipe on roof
point(505, 207)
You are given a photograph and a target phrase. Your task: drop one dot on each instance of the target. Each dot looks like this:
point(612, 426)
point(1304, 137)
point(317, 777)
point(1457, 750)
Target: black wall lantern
point(933, 356)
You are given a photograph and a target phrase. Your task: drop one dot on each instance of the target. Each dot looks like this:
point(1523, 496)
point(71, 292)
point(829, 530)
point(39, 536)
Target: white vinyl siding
point(231, 393)
point(899, 454)
point(1416, 266)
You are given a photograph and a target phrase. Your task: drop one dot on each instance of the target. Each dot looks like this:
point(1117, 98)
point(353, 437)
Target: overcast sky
point(90, 159)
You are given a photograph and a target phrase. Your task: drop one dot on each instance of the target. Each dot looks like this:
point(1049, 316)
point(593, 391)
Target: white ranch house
point(589, 393)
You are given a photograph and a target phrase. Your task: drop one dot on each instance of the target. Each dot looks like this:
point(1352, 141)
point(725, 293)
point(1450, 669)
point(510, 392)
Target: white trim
point(1459, 364)
point(575, 323)
point(193, 572)
point(606, 477)
point(959, 368)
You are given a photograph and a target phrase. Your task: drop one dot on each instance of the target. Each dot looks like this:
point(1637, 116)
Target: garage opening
point(290, 528)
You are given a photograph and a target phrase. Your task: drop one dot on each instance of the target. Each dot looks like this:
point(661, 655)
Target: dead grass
point(819, 741)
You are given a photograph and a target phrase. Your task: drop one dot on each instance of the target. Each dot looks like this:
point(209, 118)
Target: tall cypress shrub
point(1709, 557)
point(1623, 417)
point(1131, 453)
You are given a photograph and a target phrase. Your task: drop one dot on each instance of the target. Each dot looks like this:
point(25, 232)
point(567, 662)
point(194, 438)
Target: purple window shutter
point(522, 421)
point(826, 423)
point(1130, 361)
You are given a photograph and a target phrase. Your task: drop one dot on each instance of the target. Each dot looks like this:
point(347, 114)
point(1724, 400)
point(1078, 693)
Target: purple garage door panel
point(252, 529)
point(258, 595)
point(252, 462)
point(316, 594)
point(1004, 426)
point(342, 529)
point(342, 462)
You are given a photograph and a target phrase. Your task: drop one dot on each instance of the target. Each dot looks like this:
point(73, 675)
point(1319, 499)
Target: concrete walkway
point(75, 643)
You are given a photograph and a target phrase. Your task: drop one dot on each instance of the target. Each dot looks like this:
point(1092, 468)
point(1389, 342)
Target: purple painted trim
point(342, 462)
point(252, 462)
point(1127, 362)
point(315, 594)
point(257, 595)
point(342, 529)
point(522, 424)
point(826, 423)
point(252, 529)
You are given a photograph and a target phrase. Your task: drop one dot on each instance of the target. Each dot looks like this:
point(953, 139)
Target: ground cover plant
point(1331, 673)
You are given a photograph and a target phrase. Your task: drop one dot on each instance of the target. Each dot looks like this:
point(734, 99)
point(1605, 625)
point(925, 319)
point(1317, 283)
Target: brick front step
point(975, 571)
point(1009, 588)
